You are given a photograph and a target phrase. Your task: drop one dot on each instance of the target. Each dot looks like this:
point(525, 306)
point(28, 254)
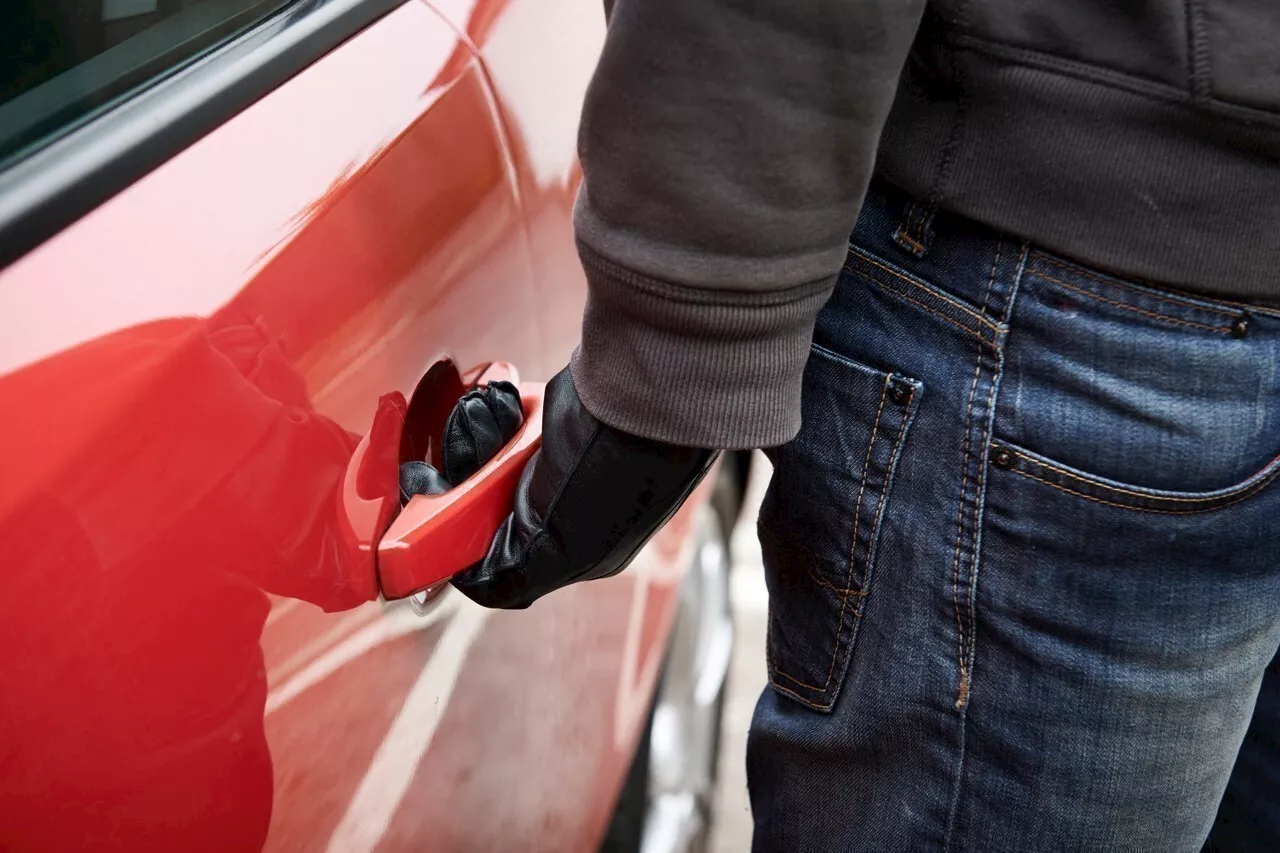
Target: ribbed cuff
point(691, 366)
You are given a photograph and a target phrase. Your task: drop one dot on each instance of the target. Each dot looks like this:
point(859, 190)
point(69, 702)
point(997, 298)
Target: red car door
point(196, 657)
point(186, 371)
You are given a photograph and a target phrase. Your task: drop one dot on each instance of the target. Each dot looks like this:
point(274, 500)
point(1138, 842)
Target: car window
point(61, 61)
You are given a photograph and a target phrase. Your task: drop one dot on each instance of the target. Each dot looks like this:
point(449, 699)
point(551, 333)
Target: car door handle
point(436, 536)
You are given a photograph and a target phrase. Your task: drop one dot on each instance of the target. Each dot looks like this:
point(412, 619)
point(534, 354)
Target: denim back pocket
point(820, 520)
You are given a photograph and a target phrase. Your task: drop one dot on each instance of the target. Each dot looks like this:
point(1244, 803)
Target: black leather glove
point(588, 500)
point(481, 423)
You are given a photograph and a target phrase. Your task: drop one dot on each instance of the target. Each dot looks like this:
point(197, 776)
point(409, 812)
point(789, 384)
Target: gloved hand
point(481, 423)
point(588, 500)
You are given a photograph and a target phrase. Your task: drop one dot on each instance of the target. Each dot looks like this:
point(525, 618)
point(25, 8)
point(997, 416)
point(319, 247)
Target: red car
point(250, 253)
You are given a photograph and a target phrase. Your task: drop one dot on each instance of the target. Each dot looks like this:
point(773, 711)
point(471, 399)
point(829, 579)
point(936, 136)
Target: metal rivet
point(1240, 327)
point(1001, 457)
point(899, 394)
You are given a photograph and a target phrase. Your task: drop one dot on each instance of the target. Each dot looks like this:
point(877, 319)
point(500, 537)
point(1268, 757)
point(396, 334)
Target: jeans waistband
point(980, 264)
point(977, 263)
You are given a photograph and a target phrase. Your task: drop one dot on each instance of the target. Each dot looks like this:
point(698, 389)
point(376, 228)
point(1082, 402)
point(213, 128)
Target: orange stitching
point(813, 575)
point(1218, 329)
point(935, 312)
point(909, 240)
point(965, 308)
point(1151, 290)
point(821, 581)
point(789, 677)
point(966, 638)
point(802, 700)
point(912, 207)
point(857, 521)
point(961, 641)
point(991, 277)
point(911, 214)
point(1145, 495)
point(835, 654)
point(1248, 494)
point(857, 513)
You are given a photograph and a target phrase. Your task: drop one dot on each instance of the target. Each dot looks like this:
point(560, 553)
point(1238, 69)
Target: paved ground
point(732, 833)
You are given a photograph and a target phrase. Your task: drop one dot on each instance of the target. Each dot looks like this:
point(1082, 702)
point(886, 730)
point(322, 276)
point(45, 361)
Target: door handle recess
point(437, 536)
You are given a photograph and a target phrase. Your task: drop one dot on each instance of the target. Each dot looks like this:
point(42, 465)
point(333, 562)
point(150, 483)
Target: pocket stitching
point(1153, 291)
point(1266, 475)
point(984, 320)
point(817, 706)
point(893, 291)
point(853, 548)
point(1220, 330)
point(1257, 487)
point(832, 355)
point(1228, 492)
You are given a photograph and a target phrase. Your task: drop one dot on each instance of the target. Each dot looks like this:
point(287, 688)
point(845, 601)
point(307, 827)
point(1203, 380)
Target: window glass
point(63, 60)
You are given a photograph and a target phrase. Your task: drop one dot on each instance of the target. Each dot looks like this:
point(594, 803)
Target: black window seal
point(57, 184)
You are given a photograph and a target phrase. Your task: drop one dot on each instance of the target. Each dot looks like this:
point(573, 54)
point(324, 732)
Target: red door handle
point(437, 536)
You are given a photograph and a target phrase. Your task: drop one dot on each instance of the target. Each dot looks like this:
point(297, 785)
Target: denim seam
point(913, 244)
point(903, 234)
point(843, 592)
point(1248, 494)
point(1221, 330)
point(1105, 280)
point(895, 292)
point(962, 671)
point(962, 695)
point(955, 303)
point(979, 502)
point(892, 291)
point(1154, 292)
point(853, 548)
point(962, 650)
point(1097, 484)
point(1210, 506)
point(809, 703)
point(962, 644)
point(976, 522)
point(968, 662)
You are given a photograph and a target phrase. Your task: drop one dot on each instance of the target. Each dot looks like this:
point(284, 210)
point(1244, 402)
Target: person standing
point(1022, 540)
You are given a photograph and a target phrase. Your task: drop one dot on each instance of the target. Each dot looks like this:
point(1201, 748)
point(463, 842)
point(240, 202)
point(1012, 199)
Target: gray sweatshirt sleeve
point(726, 147)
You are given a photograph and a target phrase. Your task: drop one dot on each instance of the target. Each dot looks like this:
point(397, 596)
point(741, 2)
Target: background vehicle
point(229, 229)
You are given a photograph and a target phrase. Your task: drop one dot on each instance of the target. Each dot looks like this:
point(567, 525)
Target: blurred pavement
point(732, 829)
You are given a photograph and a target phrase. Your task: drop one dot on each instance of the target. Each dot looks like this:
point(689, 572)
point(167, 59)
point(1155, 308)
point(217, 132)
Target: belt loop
point(915, 231)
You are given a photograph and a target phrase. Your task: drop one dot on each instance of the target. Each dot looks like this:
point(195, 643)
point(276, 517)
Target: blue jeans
point(1023, 561)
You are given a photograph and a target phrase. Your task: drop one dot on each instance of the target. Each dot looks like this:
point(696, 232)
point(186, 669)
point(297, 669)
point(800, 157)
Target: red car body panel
point(195, 657)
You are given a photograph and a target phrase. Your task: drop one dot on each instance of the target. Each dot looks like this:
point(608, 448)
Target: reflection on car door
point(194, 361)
point(547, 712)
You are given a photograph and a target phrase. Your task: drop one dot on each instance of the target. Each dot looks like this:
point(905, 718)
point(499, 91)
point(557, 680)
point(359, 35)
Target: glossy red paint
point(531, 48)
point(195, 658)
